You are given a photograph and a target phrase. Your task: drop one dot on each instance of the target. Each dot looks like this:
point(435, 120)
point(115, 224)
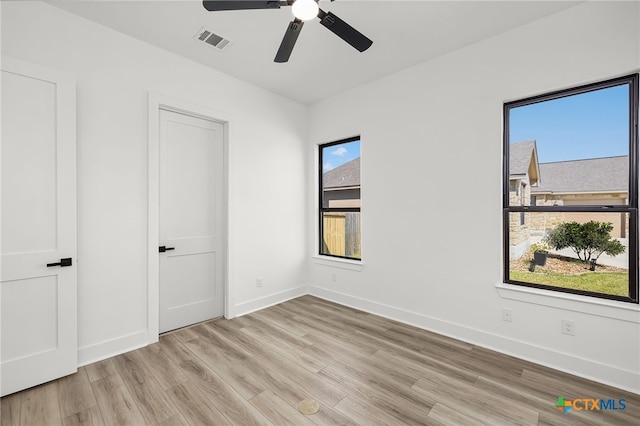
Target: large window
point(339, 191)
point(570, 197)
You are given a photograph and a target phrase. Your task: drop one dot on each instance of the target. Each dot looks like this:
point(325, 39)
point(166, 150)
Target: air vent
point(212, 39)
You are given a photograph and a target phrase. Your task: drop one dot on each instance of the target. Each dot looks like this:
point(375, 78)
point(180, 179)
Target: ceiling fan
point(303, 10)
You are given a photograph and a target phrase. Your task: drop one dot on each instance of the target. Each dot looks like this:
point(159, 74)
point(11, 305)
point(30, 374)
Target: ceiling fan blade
point(345, 31)
point(289, 40)
point(214, 5)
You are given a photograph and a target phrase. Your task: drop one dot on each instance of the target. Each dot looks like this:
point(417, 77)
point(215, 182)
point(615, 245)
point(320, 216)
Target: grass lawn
point(616, 283)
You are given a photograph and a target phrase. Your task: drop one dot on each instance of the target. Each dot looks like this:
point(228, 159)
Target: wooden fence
point(342, 234)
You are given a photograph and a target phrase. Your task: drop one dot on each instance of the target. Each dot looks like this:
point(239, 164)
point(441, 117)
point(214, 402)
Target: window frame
point(630, 208)
point(321, 209)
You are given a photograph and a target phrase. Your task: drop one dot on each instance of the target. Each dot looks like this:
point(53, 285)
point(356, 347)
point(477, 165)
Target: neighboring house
point(341, 189)
point(595, 182)
point(524, 172)
point(342, 185)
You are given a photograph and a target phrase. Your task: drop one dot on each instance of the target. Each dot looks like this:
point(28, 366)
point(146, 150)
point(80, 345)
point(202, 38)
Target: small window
point(572, 223)
point(340, 199)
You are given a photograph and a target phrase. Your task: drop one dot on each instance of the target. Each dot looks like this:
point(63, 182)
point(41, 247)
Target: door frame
point(159, 102)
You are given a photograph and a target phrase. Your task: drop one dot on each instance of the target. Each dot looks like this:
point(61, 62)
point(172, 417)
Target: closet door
point(38, 285)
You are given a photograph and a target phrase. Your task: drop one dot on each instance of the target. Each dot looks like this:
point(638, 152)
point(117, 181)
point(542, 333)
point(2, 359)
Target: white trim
point(271, 300)
point(156, 103)
point(622, 311)
point(113, 347)
point(337, 262)
point(603, 373)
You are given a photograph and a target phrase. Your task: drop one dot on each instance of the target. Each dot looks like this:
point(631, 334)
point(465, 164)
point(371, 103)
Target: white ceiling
point(404, 33)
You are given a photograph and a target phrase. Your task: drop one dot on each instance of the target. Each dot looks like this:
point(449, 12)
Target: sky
point(588, 125)
point(336, 155)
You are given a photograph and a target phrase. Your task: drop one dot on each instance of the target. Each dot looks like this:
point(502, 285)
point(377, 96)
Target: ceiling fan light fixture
point(305, 9)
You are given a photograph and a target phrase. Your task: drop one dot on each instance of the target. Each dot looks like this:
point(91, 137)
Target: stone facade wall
point(519, 234)
point(541, 223)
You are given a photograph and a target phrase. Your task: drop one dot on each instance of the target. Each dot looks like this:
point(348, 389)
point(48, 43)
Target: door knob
point(162, 249)
point(63, 262)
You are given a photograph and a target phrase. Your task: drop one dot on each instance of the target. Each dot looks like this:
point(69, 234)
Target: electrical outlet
point(259, 282)
point(569, 327)
point(334, 276)
point(507, 314)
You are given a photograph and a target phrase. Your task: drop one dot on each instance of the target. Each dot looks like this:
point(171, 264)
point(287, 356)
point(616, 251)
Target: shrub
point(538, 247)
point(588, 240)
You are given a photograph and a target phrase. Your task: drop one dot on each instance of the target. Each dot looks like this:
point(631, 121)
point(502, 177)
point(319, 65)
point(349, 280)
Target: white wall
point(267, 156)
point(431, 196)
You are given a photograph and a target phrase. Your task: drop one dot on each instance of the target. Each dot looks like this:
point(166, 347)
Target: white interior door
point(191, 227)
point(39, 302)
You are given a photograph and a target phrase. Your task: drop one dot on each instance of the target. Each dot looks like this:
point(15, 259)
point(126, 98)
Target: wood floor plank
point(195, 407)
point(117, 406)
point(278, 411)
point(174, 348)
point(423, 364)
point(177, 420)
point(358, 320)
point(229, 402)
point(482, 406)
point(365, 412)
point(329, 416)
point(88, 417)
point(153, 403)
point(165, 371)
point(230, 350)
point(284, 320)
point(405, 405)
point(100, 370)
point(242, 340)
point(338, 330)
point(481, 361)
point(233, 372)
point(373, 373)
point(75, 393)
point(40, 406)
point(275, 333)
point(446, 415)
point(293, 353)
point(293, 385)
point(10, 409)
point(544, 405)
point(183, 334)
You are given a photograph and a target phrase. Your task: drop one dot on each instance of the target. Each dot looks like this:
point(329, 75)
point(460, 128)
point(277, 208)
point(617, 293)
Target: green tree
point(588, 240)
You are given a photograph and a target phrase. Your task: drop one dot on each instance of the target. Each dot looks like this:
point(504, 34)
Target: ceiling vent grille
point(212, 39)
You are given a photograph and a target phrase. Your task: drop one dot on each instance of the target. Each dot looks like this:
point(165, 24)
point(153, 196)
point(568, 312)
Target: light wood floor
point(361, 368)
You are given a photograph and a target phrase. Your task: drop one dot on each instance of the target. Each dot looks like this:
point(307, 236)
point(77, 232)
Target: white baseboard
point(107, 349)
point(603, 373)
point(271, 300)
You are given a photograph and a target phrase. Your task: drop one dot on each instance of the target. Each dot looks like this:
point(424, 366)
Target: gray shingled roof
point(520, 157)
point(346, 175)
point(596, 174)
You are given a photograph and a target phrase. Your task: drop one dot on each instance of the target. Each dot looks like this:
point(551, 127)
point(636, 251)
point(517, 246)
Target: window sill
point(352, 265)
point(622, 311)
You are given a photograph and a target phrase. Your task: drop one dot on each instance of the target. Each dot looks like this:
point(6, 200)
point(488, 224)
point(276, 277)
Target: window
point(339, 191)
point(570, 198)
